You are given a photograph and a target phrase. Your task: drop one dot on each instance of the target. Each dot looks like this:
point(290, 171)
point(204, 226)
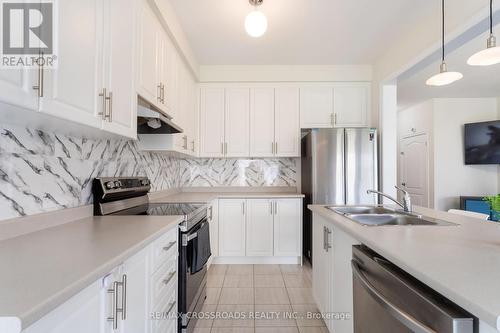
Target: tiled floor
point(259, 299)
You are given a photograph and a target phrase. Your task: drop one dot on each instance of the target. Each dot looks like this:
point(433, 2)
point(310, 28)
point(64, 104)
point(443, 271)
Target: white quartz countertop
point(461, 262)
point(43, 269)
point(205, 197)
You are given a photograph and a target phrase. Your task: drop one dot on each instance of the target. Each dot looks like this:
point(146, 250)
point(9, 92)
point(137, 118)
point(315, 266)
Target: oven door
point(192, 286)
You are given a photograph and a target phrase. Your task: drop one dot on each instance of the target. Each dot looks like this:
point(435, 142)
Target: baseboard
point(256, 261)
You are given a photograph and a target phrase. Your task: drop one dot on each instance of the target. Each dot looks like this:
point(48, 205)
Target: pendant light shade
point(491, 55)
point(444, 77)
point(256, 21)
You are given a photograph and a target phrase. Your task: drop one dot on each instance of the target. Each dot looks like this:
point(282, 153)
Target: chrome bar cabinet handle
point(114, 305)
point(39, 86)
point(103, 94)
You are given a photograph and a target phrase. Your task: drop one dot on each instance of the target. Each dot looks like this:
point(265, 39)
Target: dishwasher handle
point(403, 317)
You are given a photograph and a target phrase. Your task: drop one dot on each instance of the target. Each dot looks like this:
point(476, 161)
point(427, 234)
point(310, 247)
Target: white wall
point(452, 177)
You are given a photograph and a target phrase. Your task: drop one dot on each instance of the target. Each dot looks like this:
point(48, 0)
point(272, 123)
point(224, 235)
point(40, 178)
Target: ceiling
point(300, 32)
point(477, 81)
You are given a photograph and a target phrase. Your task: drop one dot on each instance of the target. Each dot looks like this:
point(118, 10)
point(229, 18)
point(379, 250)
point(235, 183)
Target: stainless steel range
point(129, 196)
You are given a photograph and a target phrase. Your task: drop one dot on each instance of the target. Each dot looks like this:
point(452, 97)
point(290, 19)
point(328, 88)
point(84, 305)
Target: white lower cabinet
point(80, 314)
point(139, 295)
point(232, 227)
point(259, 227)
point(213, 222)
point(332, 274)
point(264, 227)
point(288, 228)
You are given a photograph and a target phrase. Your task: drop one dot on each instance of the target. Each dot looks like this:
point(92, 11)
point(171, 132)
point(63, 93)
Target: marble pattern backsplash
point(41, 171)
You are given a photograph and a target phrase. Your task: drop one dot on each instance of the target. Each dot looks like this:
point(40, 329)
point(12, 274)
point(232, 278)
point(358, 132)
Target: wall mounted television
point(482, 142)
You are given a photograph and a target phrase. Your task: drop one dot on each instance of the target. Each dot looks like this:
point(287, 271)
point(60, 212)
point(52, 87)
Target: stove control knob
point(144, 182)
point(118, 184)
point(109, 185)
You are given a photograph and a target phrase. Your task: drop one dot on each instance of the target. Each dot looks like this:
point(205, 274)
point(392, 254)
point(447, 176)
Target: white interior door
point(414, 168)
point(232, 219)
point(287, 128)
point(316, 107)
point(259, 227)
point(119, 64)
point(237, 124)
point(212, 122)
point(72, 90)
point(262, 122)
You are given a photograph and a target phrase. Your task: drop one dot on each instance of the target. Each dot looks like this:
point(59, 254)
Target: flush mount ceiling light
point(256, 21)
point(491, 55)
point(444, 77)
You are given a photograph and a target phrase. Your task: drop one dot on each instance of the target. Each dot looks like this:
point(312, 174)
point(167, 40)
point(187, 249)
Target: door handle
point(243, 208)
point(39, 86)
point(192, 143)
point(276, 207)
point(397, 313)
point(158, 96)
point(109, 98)
point(169, 277)
point(327, 241)
point(225, 148)
point(271, 207)
point(103, 94)
point(169, 246)
point(114, 305)
point(124, 297)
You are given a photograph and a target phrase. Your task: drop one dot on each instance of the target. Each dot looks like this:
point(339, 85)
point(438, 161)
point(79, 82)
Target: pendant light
point(491, 55)
point(256, 21)
point(444, 77)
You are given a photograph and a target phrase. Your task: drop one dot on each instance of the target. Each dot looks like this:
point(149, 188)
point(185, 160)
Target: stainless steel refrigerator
point(338, 167)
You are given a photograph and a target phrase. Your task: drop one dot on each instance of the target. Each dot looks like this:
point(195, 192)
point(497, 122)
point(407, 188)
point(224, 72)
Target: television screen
point(482, 143)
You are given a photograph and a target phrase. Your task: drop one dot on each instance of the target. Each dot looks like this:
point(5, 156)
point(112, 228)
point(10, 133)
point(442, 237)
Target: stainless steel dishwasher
point(389, 300)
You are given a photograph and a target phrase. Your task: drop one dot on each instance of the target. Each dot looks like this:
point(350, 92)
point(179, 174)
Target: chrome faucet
point(406, 204)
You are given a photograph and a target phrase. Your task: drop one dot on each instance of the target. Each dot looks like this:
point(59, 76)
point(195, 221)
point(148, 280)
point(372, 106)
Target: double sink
point(382, 216)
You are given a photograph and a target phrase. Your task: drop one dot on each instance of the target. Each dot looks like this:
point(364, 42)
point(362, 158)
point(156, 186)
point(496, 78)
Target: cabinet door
point(136, 271)
point(213, 220)
point(80, 314)
point(351, 105)
point(259, 227)
point(71, 91)
point(341, 292)
point(119, 63)
point(287, 128)
point(319, 265)
point(16, 87)
point(212, 122)
point(262, 122)
point(232, 227)
point(237, 122)
point(287, 228)
point(316, 107)
point(149, 55)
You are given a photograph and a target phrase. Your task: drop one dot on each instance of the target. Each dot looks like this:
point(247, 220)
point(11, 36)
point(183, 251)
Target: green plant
point(494, 202)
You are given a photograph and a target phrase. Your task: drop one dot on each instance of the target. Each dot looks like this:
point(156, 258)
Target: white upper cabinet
point(351, 105)
point(341, 105)
point(259, 228)
point(152, 58)
point(119, 75)
point(262, 142)
point(237, 123)
point(212, 122)
point(71, 91)
point(287, 128)
point(316, 107)
point(148, 59)
point(16, 87)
